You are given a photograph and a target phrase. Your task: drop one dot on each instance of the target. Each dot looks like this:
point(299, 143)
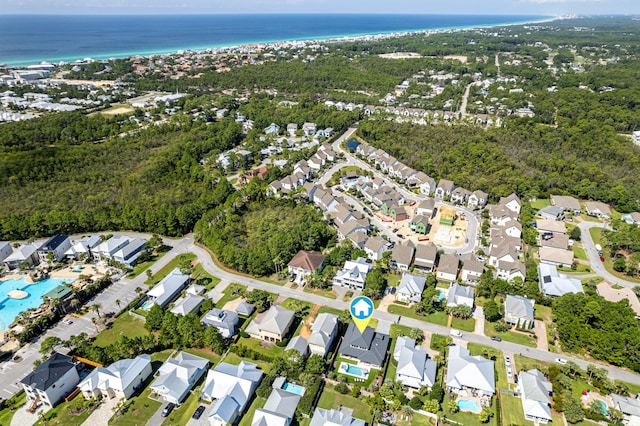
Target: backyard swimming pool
point(293, 388)
point(605, 408)
point(11, 308)
point(353, 370)
point(468, 405)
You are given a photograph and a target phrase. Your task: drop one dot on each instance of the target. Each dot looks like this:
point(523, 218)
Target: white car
point(561, 361)
point(455, 333)
point(508, 372)
point(507, 361)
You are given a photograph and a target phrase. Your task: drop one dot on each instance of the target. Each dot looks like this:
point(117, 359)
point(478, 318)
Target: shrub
point(341, 388)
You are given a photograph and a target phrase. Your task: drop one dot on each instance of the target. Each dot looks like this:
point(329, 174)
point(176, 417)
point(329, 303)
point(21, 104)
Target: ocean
point(28, 39)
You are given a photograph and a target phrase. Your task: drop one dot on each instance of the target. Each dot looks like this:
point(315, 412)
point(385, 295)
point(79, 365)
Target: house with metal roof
point(474, 373)
point(518, 310)
point(322, 417)
point(58, 245)
point(178, 375)
point(630, 408)
point(555, 284)
point(460, 295)
point(410, 288)
point(119, 380)
point(111, 246)
point(232, 387)
point(50, 381)
point(368, 348)
point(278, 410)
point(168, 288)
point(415, 368)
point(299, 344)
point(188, 304)
point(353, 274)
point(534, 389)
point(323, 331)
point(26, 253)
point(128, 255)
point(86, 246)
point(225, 321)
point(273, 326)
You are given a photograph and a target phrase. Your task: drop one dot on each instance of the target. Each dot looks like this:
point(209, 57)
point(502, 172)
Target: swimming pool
point(147, 305)
point(441, 296)
point(605, 408)
point(353, 370)
point(468, 405)
point(11, 308)
point(293, 388)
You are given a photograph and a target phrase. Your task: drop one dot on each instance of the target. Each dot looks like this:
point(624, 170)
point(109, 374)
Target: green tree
point(575, 234)
point(431, 406)
point(491, 311)
point(154, 318)
point(48, 345)
point(486, 414)
point(573, 410)
point(375, 284)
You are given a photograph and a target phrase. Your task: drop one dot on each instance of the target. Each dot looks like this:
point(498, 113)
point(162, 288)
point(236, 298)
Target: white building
point(50, 381)
point(353, 274)
point(120, 380)
point(178, 375)
point(410, 288)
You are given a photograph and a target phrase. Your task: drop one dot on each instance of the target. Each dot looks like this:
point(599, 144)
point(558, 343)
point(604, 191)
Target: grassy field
point(234, 359)
point(295, 304)
point(256, 345)
point(329, 294)
point(510, 336)
point(468, 324)
point(202, 277)
point(330, 310)
point(141, 410)
point(124, 325)
point(392, 279)
point(141, 267)
point(417, 420)
point(540, 203)
point(579, 253)
point(332, 399)
point(213, 358)
point(440, 318)
point(173, 264)
point(248, 416)
point(227, 294)
point(512, 412)
point(13, 404)
point(117, 109)
point(71, 413)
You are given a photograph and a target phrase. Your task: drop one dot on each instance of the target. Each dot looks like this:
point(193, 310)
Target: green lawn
point(416, 420)
point(234, 359)
point(295, 304)
point(124, 325)
point(330, 294)
point(15, 402)
point(202, 277)
point(512, 412)
point(228, 294)
point(510, 336)
point(526, 363)
point(440, 318)
point(330, 310)
point(579, 253)
point(466, 418)
point(392, 279)
point(173, 264)
point(141, 267)
point(139, 412)
point(256, 345)
point(248, 416)
point(205, 353)
point(332, 399)
point(182, 414)
point(71, 413)
point(468, 324)
point(538, 204)
point(399, 330)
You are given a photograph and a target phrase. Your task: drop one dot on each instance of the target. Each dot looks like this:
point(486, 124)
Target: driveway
point(478, 315)
point(102, 414)
point(540, 328)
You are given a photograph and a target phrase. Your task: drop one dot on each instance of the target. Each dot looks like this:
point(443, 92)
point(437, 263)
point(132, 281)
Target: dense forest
point(588, 161)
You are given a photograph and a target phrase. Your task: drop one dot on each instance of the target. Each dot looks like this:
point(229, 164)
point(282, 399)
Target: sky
point(490, 7)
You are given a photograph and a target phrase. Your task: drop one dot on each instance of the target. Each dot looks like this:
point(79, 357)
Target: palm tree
point(95, 322)
point(74, 303)
point(96, 308)
point(118, 303)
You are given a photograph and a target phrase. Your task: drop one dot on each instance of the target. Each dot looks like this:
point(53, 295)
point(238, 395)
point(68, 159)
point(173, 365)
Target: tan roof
point(402, 254)
point(565, 202)
point(616, 295)
point(597, 205)
point(555, 255)
point(558, 241)
point(449, 263)
point(307, 260)
point(547, 225)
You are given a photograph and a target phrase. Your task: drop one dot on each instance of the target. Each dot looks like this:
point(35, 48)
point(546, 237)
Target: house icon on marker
point(361, 309)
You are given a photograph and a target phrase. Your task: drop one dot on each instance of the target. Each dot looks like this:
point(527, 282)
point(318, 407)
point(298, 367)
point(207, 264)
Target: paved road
point(594, 257)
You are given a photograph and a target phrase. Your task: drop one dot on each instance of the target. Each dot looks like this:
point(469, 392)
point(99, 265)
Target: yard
point(230, 293)
point(512, 412)
point(440, 318)
point(466, 418)
point(464, 324)
point(248, 416)
point(256, 345)
point(510, 336)
point(182, 414)
point(538, 204)
point(124, 325)
point(351, 379)
point(417, 420)
point(332, 399)
point(579, 253)
point(202, 277)
point(15, 402)
point(213, 358)
point(140, 410)
point(234, 359)
point(173, 264)
point(141, 267)
point(329, 293)
point(70, 413)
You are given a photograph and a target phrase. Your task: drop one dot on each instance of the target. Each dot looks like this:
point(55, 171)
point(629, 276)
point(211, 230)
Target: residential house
point(471, 269)
point(534, 389)
point(85, 246)
point(553, 226)
point(426, 184)
point(177, 376)
point(402, 342)
point(468, 372)
point(518, 310)
point(108, 248)
point(444, 189)
point(187, 304)
point(630, 408)
point(128, 255)
point(305, 263)
point(309, 129)
point(5, 250)
point(512, 228)
point(512, 202)
point(410, 288)
point(353, 274)
point(168, 288)
point(566, 203)
point(598, 209)
point(427, 208)
point(460, 195)
point(556, 256)
point(477, 199)
point(420, 224)
point(553, 240)
point(511, 270)
point(448, 267)
point(426, 256)
point(502, 252)
point(278, 410)
point(375, 247)
point(51, 381)
point(499, 214)
point(232, 387)
point(554, 284)
point(273, 326)
point(299, 344)
point(618, 294)
point(551, 213)
point(368, 348)
point(119, 380)
point(353, 226)
point(57, 245)
point(415, 369)
point(460, 295)
point(24, 254)
point(245, 309)
point(292, 128)
point(402, 256)
point(272, 130)
point(323, 331)
point(322, 417)
point(630, 218)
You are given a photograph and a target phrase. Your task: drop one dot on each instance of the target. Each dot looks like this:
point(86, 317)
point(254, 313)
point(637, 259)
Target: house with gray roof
point(598, 209)
point(85, 246)
point(119, 380)
point(108, 248)
point(518, 310)
point(50, 381)
point(410, 288)
point(278, 410)
point(375, 247)
point(474, 373)
point(245, 309)
point(5, 250)
point(415, 368)
point(188, 304)
point(402, 256)
point(425, 257)
point(471, 269)
point(273, 326)
point(448, 267)
point(566, 203)
point(555, 284)
point(477, 199)
point(178, 375)
point(427, 208)
point(630, 408)
point(534, 389)
point(445, 188)
point(353, 274)
point(168, 288)
point(322, 417)
point(232, 387)
point(402, 342)
point(512, 202)
point(460, 295)
point(129, 254)
point(551, 213)
point(225, 321)
point(323, 331)
point(299, 344)
point(368, 348)
point(26, 253)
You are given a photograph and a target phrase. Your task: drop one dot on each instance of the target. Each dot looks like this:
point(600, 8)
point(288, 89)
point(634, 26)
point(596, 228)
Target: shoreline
point(334, 38)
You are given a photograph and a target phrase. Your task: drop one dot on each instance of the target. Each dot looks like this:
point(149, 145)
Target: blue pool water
point(468, 405)
point(293, 388)
point(353, 370)
point(147, 305)
point(11, 308)
point(605, 408)
point(441, 296)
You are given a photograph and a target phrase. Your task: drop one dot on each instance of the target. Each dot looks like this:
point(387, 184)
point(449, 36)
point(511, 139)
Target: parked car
point(168, 409)
point(393, 290)
point(455, 333)
point(395, 230)
point(561, 361)
point(507, 361)
point(67, 322)
point(496, 338)
point(509, 372)
point(400, 236)
point(198, 412)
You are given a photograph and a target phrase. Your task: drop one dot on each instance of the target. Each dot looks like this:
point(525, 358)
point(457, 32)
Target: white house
point(353, 274)
point(168, 288)
point(188, 304)
point(445, 188)
point(415, 368)
point(410, 288)
point(512, 202)
point(555, 284)
point(120, 380)
point(178, 375)
point(469, 372)
point(224, 321)
point(278, 410)
point(110, 247)
point(322, 417)
point(630, 408)
point(460, 295)
point(26, 253)
point(518, 310)
point(5, 250)
point(58, 245)
point(305, 263)
point(534, 389)
point(273, 326)
point(50, 381)
point(448, 267)
point(323, 332)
